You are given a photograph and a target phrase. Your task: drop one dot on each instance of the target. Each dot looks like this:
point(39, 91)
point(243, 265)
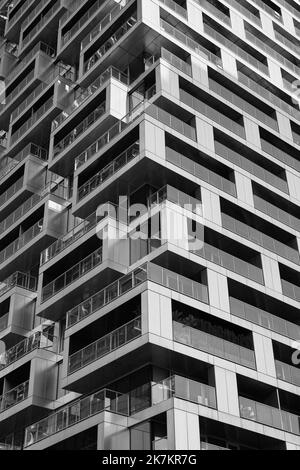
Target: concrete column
point(252, 132)
point(264, 354)
point(211, 206)
point(218, 290)
point(183, 430)
point(152, 139)
point(284, 126)
point(199, 71)
point(205, 134)
point(294, 184)
point(167, 80)
point(271, 273)
point(227, 391)
point(229, 63)
point(157, 314)
point(244, 189)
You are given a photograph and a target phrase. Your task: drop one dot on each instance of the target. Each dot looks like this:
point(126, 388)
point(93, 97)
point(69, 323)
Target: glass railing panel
point(287, 373)
point(213, 345)
point(41, 23)
point(4, 322)
point(22, 241)
point(175, 7)
point(103, 400)
point(14, 396)
point(11, 191)
point(20, 280)
point(32, 120)
point(72, 275)
point(176, 61)
point(105, 345)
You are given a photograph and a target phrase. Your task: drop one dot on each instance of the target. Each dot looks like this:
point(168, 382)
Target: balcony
point(269, 416)
point(287, 373)
point(80, 97)
point(213, 345)
point(91, 61)
point(105, 345)
point(201, 172)
point(260, 238)
point(30, 149)
point(290, 290)
point(264, 319)
point(36, 341)
point(11, 191)
point(147, 272)
point(72, 275)
point(76, 412)
point(22, 241)
point(246, 11)
point(108, 171)
point(276, 213)
point(4, 322)
point(80, 129)
point(25, 281)
point(109, 18)
point(216, 12)
point(175, 7)
point(14, 396)
point(185, 389)
point(176, 61)
point(15, 19)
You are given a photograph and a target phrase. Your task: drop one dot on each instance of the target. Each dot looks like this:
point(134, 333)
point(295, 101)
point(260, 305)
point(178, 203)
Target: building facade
point(149, 224)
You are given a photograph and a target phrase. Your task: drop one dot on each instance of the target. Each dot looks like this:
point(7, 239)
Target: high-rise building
point(150, 224)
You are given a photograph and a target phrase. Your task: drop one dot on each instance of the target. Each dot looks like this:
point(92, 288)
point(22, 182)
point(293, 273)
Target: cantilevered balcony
point(265, 319)
point(12, 163)
point(269, 416)
point(214, 345)
point(147, 272)
point(36, 341)
point(43, 29)
point(14, 396)
point(105, 345)
point(75, 413)
point(16, 16)
point(25, 281)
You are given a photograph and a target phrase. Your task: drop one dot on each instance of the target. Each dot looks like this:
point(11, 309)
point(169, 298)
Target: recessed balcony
point(14, 396)
point(287, 373)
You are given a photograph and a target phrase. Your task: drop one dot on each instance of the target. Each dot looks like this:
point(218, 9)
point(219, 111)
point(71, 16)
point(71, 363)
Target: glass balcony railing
point(209, 446)
point(269, 416)
point(290, 290)
point(191, 43)
point(22, 241)
point(80, 129)
point(287, 373)
point(230, 262)
point(32, 120)
point(240, 160)
point(108, 171)
point(14, 396)
point(251, 16)
point(232, 124)
point(36, 341)
point(184, 388)
point(19, 88)
point(89, 63)
point(275, 14)
point(34, 13)
point(103, 23)
point(175, 7)
point(25, 281)
point(147, 272)
point(40, 47)
point(239, 51)
point(256, 236)
point(4, 322)
point(172, 121)
point(74, 5)
point(200, 171)
point(176, 61)
point(276, 213)
point(12, 19)
point(52, 188)
point(30, 149)
point(11, 191)
point(215, 11)
point(26, 39)
point(72, 275)
point(281, 155)
point(75, 412)
point(105, 345)
point(265, 319)
point(181, 199)
point(287, 42)
point(214, 345)
point(82, 96)
point(12, 442)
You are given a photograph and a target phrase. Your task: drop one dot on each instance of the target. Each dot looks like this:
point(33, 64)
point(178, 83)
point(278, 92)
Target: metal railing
point(287, 373)
point(18, 279)
point(82, 96)
point(200, 171)
point(80, 129)
point(30, 149)
point(191, 43)
point(184, 388)
point(147, 272)
point(22, 241)
point(214, 345)
point(171, 121)
point(256, 236)
point(264, 319)
point(105, 345)
point(41, 23)
point(75, 412)
point(34, 13)
point(108, 171)
point(215, 11)
point(280, 154)
point(103, 23)
point(32, 120)
point(269, 416)
point(91, 61)
point(36, 341)
point(72, 275)
point(11, 191)
point(171, 194)
point(14, 396)
point(242, 9)
point(20, 87)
